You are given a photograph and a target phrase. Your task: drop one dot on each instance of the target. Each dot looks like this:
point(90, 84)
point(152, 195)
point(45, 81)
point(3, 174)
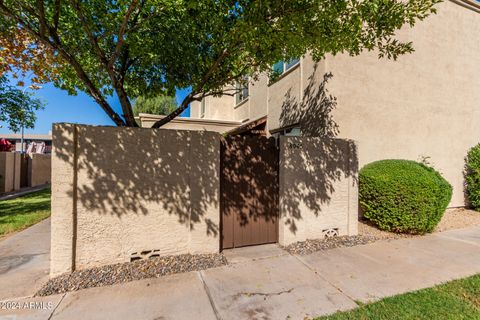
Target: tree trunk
point(126, 107)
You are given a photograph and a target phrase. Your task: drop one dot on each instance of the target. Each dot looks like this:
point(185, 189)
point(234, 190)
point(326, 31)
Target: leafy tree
point(20, 55)
point(162, 105)
point(131, 48)
point(17, 107)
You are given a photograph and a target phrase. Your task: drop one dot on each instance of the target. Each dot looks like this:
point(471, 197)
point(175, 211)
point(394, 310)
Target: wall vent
point(145, 254)
point(330, 233)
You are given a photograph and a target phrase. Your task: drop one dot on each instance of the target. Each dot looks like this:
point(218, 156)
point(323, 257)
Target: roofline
point(26, 136)
point(468, 4)
point(146, 116)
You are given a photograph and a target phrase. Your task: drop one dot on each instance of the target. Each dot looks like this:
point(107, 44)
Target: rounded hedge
point(403, 196)
point(472, 177)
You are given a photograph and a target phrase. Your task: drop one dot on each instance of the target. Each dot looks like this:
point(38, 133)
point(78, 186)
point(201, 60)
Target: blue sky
point(60, 107)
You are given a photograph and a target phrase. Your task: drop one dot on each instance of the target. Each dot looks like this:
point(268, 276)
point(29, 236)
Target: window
point(202, 108)
point(281, 67)
point(294, 131)
point(242, 92)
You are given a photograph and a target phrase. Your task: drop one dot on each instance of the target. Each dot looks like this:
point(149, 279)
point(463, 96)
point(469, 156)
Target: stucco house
point(195, 191)
point(425, 105)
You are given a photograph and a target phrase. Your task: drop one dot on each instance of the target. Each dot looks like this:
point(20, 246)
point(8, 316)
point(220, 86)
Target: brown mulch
point(129, 271)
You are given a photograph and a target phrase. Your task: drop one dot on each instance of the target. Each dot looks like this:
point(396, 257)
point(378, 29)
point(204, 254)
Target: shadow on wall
point(314, 168)
point(135, 171)
point(250, 178)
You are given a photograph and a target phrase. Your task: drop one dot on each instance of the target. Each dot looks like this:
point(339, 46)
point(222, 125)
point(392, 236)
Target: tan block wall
point(39, 169)
point(318, 188)
point(130, 189)
point(9, 171)
point(64, 196)
point(190, 124)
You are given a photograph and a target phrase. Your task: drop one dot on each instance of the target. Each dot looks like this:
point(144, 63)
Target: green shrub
point(403, 196)
point(472, 177)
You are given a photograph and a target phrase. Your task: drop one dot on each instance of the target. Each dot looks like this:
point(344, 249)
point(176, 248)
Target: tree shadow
point(249, 190)
point(315, 164)
point(137, 171)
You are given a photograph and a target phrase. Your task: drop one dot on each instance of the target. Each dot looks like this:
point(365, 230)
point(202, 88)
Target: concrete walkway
point(25, 261)
point(22, 192)
point(267, 283)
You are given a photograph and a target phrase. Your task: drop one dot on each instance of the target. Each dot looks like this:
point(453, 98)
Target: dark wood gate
point(249, 191)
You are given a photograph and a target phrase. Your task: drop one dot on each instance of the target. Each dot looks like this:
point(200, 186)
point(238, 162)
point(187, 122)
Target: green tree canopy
point(137, 47)
point(17, 107)
point(162, 105)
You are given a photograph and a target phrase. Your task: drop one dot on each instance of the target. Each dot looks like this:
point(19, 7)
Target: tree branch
point(57, 46)
point(56, 15)
point(121, 33)
point(109, 68)
point(189, 98)
point(41, 14)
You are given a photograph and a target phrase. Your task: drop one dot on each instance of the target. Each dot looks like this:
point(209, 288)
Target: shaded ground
point(458, 299)
point(20, 213)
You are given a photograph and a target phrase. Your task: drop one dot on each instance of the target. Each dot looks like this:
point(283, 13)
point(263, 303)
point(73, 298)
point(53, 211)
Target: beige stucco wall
point(9, 171)
point(220, 126)
point(215, 108)
point(39, 169)
point(425, 104)
point(64, 197)
point(318, 188)
point(121, 191)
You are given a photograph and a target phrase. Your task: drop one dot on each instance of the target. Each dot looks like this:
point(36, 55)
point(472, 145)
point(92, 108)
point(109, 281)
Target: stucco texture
point(318, 188)
point(121, 191)
point(422, 106)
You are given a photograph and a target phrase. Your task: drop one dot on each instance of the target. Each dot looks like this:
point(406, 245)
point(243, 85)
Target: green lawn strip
point(20, 213)
point(459, 299)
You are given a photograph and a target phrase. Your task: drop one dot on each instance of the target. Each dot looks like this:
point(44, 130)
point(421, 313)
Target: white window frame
point(243, 93)
point(287, 65)
point(202, 108)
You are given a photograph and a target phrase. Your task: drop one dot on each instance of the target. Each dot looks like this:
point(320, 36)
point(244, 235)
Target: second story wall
point(216, 108)
point(425, 104)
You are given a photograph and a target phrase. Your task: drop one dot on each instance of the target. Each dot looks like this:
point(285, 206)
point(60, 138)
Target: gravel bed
point(313, 245)
point(129, 271)
point(368, 233)
point(458, 218)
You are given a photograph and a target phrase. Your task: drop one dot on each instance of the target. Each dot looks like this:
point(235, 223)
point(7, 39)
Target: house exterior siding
point(424, 105)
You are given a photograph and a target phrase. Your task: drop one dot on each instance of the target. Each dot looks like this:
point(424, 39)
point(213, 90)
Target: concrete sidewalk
point(267, 283)
point(25, 261)
point(22, 192)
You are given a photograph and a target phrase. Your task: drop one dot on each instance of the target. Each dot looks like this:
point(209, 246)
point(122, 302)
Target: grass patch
point(459, 299)
point(20, 213)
